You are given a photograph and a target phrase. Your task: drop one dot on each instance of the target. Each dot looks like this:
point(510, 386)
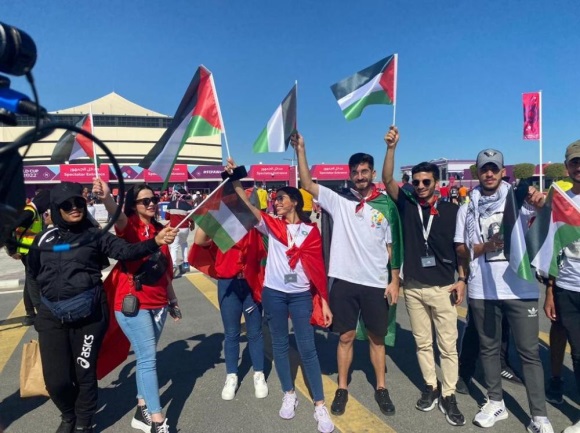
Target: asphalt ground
point(192, 371)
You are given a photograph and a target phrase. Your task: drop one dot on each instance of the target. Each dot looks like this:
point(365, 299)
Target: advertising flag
point(532, 121)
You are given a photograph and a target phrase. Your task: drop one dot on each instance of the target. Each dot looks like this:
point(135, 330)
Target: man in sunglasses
point(365, 244)
point(430, 289)
point(496, 290)
point(177, 211)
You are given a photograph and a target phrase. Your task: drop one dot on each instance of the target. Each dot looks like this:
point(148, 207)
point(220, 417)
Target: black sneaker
point(385, 404)
point(159, 427)
point(142, 419)
point(83, 430)
point(66, 426)
point(554, 390)
point(463, 384)
point(508, 374)
point(339, 403)
point(448, 405)
point(428, 399)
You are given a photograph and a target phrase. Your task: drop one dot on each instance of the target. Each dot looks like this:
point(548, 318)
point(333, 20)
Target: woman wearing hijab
point(294, 286)
point(73, 314)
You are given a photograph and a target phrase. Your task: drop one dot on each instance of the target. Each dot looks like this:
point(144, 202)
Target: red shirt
point(150, 297)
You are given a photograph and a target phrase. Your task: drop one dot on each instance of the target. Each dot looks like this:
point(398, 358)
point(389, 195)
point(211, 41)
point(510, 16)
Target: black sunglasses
point(148, 200)
point(417, 182)
point(78, 202)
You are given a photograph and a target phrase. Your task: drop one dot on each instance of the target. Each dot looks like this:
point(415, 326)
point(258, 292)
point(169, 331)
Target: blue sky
point(463, 66)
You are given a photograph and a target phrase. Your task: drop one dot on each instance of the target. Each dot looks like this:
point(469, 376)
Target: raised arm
point(391, 140)
point(102, 191)
point(297, 142)
point(240, 190)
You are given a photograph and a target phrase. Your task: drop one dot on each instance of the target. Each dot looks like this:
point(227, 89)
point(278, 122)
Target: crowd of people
point(340, 273)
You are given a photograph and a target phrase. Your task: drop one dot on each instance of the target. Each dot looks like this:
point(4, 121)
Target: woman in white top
point(294, 286)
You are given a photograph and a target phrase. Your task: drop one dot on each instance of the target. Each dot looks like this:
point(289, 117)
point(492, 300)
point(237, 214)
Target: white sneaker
point(229, 391)
point(573, 428)
point(289, 403)
point(489, 413)
point(260, 385)
point(325, 424)
point(540, 425)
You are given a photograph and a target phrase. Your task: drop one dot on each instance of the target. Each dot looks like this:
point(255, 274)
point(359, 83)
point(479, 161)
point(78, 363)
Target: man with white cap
point(495, 290)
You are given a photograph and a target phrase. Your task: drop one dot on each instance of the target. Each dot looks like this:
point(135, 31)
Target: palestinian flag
point(198, 115)
point(556, 226)
point(513, 228)
point(73, 145)
point(224, 217)
point(376, 84)
point(275, 137)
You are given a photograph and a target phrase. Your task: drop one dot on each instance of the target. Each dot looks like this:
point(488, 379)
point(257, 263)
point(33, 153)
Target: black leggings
point(69, 362)
point(568, 308)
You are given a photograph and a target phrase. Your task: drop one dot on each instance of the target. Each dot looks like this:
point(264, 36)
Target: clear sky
point(463, 66)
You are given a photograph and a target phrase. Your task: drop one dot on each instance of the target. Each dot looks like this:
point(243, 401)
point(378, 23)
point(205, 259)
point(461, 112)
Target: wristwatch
point(462, 279)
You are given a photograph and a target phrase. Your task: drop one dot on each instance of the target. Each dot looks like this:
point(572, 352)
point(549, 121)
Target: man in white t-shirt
point(495, 290)
point(563, 293)
point(359, 257)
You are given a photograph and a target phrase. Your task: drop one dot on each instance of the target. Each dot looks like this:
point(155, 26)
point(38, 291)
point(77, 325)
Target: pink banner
point(211, 172)
point(178, 174)
point(41, 173)
point(270, 172)
point(330, 171)
point(532, 121)
point(83, 173)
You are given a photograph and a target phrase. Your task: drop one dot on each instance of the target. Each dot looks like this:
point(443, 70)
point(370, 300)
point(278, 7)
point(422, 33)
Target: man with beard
point(360, 252)
point(430, 290)
point(495, 290)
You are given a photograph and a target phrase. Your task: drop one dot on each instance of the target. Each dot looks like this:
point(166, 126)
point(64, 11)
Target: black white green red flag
point(73, 145)
point(556, 226)
point(275, 137)
point(376, 84)
point(198, 115)
point(224, 217)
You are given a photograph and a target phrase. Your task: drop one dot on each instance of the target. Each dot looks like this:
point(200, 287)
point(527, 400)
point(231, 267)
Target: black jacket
point(62, 275)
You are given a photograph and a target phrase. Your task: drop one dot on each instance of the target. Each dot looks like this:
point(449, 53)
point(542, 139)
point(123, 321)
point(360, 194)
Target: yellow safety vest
point(25, 235)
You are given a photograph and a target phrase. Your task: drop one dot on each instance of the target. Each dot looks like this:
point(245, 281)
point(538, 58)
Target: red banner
point(330, 172)
point(83, 173)
point(270, 172)
point(532, 121)
point(178, 174)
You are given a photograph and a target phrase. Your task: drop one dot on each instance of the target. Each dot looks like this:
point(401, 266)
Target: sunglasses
point(147, 201)
point(76, 202)
point(417, 182)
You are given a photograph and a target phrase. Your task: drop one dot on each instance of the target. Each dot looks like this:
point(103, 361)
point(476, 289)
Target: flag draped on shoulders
point(376, 84)
point(275, 137)
point(73, 145)
point(198, 115)
point(224, 217)
point(514, 227)
point(556, 226)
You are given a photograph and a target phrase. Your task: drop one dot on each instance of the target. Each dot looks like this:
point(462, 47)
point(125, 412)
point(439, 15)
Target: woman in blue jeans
point(235, 299)
point(295, 287)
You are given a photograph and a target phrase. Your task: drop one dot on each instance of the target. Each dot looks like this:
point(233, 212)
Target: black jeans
point(568, 308)
point(69, 361)
point(522, 315)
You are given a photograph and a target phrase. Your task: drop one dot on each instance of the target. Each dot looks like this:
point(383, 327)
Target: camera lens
point(17, 51)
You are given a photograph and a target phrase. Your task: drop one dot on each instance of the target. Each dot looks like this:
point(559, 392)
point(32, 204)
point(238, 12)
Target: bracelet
point(462, 279)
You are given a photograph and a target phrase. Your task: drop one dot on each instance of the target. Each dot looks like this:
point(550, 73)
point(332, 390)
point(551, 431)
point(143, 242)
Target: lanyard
point(292, 237)
point(428, 229)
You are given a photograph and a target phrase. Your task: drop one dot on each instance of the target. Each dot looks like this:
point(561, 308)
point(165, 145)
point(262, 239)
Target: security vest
point(25, 235)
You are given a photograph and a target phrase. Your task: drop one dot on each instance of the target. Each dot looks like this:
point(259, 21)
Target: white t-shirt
point(569, 273)
point(358, 251)
point(491, 276)
point(277, 266)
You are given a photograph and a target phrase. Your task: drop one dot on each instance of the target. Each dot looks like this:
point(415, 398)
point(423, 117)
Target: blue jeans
point(143, 332)
point(277, 307)
point(235, 298)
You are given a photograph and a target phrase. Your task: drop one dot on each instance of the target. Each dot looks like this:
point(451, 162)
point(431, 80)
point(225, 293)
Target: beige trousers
point(430, 307)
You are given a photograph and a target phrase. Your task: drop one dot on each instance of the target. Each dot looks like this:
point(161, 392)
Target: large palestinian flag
point(275, 137)
point(556, 226)
point(224, 217)
point(198, 115)
point(73, 145)
point(376, 84)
